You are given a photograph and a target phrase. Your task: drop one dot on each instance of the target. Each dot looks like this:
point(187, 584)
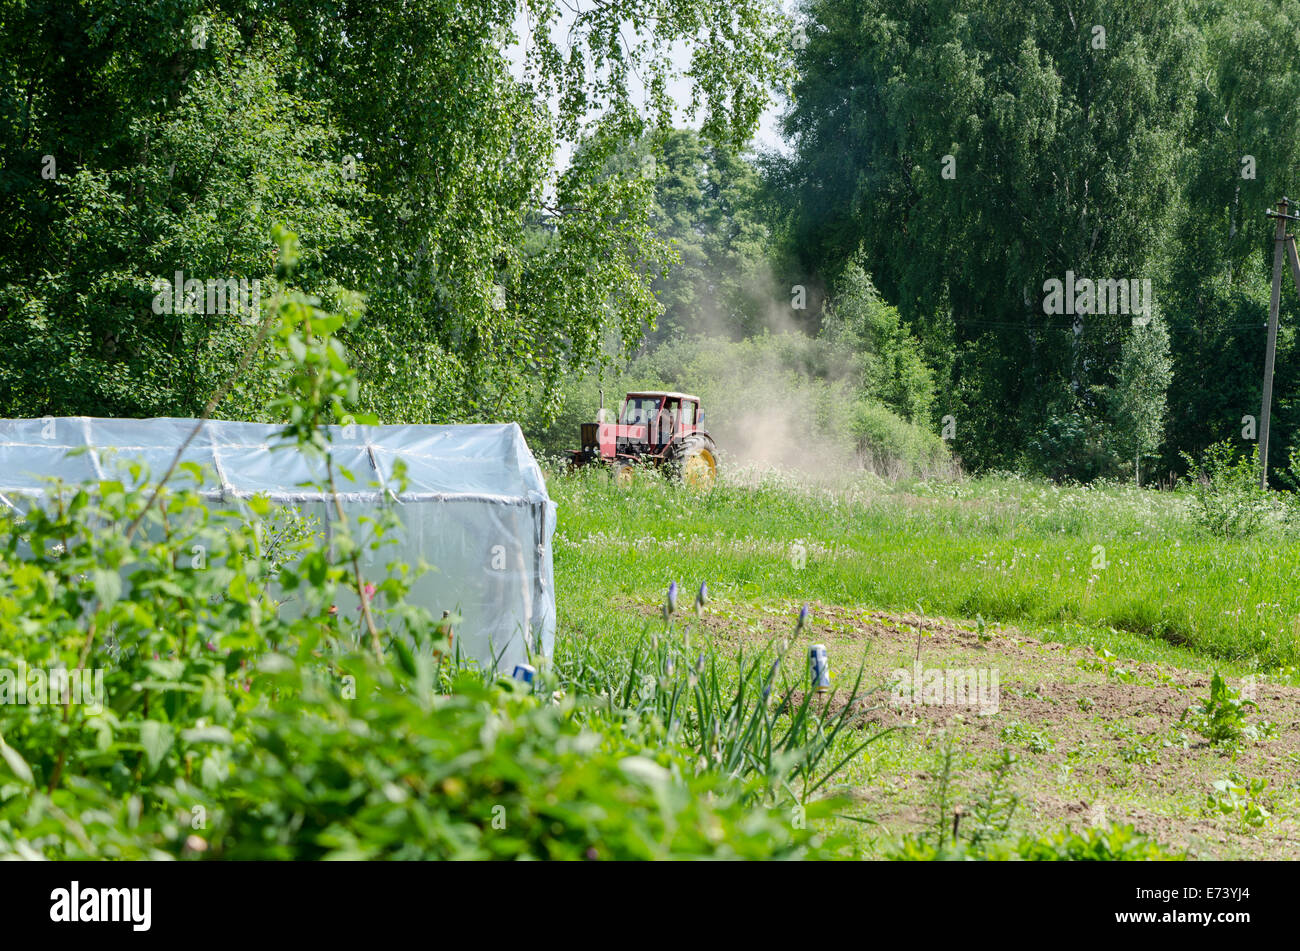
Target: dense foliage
point(506, 187)
point(407, 143)
point(971, 151)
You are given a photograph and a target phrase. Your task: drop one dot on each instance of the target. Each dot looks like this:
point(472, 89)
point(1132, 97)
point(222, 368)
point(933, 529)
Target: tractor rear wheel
point(696, 463)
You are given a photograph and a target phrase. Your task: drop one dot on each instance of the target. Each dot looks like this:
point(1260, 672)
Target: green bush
point(402, 771)
point(487, 772)
point(285, 742)
point(1225, 485)
point(890, 446)
point(234, 731)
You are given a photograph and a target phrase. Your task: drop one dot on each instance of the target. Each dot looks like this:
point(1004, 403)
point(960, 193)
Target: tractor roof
point(665, 394)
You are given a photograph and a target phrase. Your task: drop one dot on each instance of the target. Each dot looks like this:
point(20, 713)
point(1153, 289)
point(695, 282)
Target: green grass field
point(1104, 609)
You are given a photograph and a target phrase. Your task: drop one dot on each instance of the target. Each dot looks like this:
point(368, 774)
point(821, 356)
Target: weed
point(1139, 752)
point(1229, 499)
point(1108, 663)
point(992, 813)
point(1221, 718)
point(1240, 798)
point(1034, 740)
point(1115, 843)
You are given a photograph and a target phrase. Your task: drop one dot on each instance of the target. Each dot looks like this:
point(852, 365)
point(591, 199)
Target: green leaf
point(405, 657)
point(207, 734)
point(17, 765)
point(108, 586)
point(156, 738)
point(212, 772)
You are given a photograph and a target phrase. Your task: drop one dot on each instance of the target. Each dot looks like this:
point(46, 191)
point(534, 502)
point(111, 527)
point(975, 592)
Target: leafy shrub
point(887, 358)
point(235, 731)
point(890, 446)
point(1225, 484)
point(487, 772)
point(1068, 445)
point(404, 772)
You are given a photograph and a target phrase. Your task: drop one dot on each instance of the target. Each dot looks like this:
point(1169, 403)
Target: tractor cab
point(652, 421)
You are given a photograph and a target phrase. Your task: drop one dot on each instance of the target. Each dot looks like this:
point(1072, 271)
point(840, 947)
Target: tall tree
point(1139, 396)
point(1247, 155)
point(132, 152)
point(975, 149)
point(707, 209)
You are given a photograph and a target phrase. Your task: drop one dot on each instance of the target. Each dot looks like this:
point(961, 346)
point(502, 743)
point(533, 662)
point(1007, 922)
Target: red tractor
point(653, 428)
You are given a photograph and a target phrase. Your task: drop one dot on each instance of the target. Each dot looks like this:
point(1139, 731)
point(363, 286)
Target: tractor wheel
point(624, 474)
point(697, 463)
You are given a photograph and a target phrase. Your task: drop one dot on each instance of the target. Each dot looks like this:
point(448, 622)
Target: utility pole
point(1281, 241)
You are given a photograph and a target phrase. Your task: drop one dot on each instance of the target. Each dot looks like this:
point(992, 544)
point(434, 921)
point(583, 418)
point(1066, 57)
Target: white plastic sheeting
point(474, 505)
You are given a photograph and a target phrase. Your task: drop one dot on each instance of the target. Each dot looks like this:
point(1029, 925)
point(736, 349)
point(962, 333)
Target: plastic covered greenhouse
point(474, 505)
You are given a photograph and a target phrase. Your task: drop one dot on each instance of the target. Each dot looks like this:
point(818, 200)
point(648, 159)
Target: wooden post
point(1295, 261)
point(1270, 353)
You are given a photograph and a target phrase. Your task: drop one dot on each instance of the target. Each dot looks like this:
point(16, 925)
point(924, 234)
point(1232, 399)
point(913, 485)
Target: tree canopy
point(411, 150)
point(972, 151)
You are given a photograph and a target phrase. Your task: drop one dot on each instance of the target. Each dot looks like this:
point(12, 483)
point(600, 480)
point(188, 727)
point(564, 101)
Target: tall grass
point(1010, 549)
